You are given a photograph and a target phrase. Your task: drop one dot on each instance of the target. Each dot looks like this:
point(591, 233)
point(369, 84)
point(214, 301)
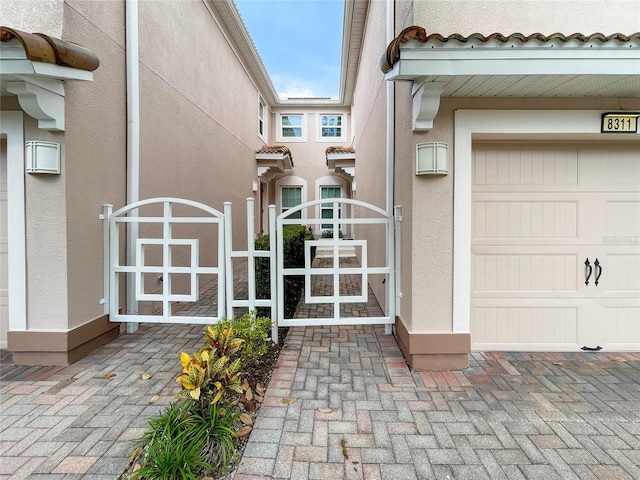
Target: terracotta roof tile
point(274, 149)
point(392, 54)
point(43, 48)
point(348, 149)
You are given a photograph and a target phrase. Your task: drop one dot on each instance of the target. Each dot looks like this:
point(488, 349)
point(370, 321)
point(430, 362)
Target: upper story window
point(261, 113)
point(331, 127)
point(291, 127)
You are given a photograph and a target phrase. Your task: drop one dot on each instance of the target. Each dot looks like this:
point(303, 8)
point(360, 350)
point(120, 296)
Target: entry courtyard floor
point(359, 412)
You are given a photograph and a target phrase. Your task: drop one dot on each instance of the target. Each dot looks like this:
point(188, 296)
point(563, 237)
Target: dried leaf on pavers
point(618, 359)
point(259, 398)
point(259, 389)
point(343, 444)
point(154, 399)
point(325, 410)
point(355, 462)
point(246, 419)
point(289, 400)
point(206, 478)
point(243, 431)
point(558, 363)
point(145, 376)
point(108, 376)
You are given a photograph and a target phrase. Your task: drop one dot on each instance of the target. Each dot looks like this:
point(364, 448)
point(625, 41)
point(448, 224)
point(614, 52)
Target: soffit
point(516, 65)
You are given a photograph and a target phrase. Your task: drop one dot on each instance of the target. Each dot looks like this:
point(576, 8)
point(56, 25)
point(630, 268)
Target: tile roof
point(338, 150)
point(392, 54)
point(278, 149)
point(42, 48)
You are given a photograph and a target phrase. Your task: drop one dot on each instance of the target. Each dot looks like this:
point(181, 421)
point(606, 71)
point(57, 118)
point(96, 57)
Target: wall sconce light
point(42, 157)
point(255, 186)
point(432, 158)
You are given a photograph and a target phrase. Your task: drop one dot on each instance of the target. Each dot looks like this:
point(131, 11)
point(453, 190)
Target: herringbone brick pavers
point(359, 413)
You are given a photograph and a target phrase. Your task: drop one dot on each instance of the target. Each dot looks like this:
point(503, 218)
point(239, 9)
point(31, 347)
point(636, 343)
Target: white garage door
point(556, 247)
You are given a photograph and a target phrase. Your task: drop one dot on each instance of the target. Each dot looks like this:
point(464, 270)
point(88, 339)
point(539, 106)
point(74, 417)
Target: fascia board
point(410, 69)
point(27, 67)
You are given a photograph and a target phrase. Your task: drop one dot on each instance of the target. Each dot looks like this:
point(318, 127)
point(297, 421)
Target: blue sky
point(300, 43)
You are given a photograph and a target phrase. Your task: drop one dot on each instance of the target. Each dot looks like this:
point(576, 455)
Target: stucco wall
point(369, 110)
point(198, 111)
point(95, 159)
point(528, 16)
point(42, 16)
point(46, 238)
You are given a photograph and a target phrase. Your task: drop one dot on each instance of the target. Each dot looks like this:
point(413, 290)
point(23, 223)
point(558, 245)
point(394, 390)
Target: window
point(326, 209)
point(291, 126)
point(291, 197)
point(332, 127)
point(261, 109)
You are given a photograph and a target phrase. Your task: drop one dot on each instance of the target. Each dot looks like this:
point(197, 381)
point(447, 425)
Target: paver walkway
point(507, 416)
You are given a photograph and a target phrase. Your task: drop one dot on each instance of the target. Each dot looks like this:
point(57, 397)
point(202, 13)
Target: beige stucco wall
point(369, 111)
point(198, 111)
point(42, 16)
point(310, 168)
point(95, 159)
point(528, 16)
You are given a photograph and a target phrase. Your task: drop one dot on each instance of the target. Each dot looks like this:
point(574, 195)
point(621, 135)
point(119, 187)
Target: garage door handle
point(598, 270)
point(588, 271)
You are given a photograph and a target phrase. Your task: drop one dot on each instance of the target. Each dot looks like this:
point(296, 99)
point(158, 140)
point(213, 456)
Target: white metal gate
point(335, 245)
point(157, 234)
point(157, 220)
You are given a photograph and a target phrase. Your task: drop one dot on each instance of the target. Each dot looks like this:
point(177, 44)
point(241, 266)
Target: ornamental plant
point(212, 371)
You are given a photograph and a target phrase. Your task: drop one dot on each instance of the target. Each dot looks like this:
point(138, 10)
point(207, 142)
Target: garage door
point(556, 247)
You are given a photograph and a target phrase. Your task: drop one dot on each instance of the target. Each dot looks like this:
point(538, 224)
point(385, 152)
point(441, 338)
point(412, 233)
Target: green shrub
point(294, 237)
point(255, 332)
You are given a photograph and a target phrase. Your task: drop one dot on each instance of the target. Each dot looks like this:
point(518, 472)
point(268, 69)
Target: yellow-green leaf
point(195, 393)
point(185, 359)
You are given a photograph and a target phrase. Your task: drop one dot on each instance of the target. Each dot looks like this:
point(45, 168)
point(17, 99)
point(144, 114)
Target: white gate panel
point(335, 245)
point(165, 270)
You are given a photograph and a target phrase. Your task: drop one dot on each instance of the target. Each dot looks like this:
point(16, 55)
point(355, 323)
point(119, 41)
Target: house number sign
point(626, 122)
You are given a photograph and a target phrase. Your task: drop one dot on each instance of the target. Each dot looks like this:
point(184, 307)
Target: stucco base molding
point(435, 352)
point(50, 348)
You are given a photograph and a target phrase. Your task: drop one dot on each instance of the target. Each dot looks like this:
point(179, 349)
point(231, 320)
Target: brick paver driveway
point(506, 416)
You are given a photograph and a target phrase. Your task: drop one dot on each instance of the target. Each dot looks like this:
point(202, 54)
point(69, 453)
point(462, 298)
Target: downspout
point(391, 295)
point(133, 143)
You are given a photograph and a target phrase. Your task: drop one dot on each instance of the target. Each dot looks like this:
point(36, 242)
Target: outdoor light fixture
point(42, 157)
point(432, 158)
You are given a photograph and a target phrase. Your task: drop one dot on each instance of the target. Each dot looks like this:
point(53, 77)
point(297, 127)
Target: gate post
point(228, 264)
point(273, 273)
point(107, 210)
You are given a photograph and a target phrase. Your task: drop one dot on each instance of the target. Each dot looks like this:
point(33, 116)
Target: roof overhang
point(273, 160)
point(513, 66)
point(34, 66)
